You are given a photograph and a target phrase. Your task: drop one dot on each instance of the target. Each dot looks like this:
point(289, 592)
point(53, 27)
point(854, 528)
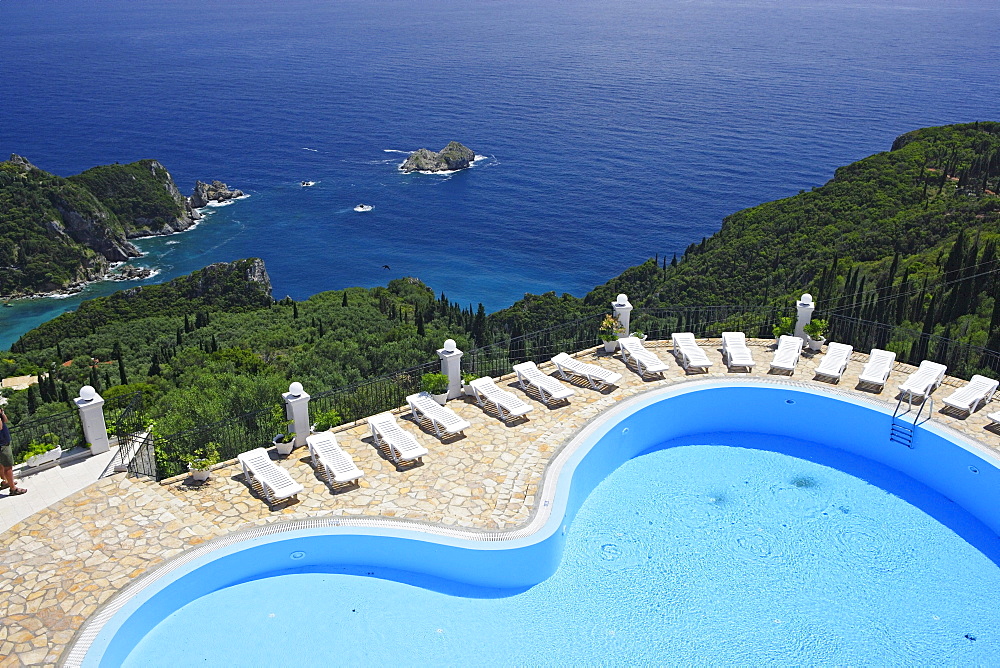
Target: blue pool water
point(603, 122)
point(753, 551)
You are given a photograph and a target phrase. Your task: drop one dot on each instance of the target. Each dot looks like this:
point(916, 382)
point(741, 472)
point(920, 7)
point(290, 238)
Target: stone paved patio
point(61, 564)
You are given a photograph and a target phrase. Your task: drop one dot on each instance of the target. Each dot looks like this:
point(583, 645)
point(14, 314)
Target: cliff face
point(451, 157)
point(56, 233)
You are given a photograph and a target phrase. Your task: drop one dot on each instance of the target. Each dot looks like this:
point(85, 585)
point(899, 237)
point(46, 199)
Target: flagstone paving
point(62, 563)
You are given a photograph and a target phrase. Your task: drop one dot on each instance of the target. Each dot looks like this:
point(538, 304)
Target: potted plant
point(466, 379)
point(609, 331)
point(203, 460)
point(785, 327)
point(436, 385)
point(326, 420)
point(816, 330)
point(639, 334)
point(284, 443)
point(42, 450)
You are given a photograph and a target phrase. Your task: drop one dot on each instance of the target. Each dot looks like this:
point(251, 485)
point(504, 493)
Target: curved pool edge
point(552, 508)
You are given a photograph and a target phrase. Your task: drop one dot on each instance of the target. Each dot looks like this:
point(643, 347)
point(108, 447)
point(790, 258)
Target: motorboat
point(361, 208)
point(306, 184)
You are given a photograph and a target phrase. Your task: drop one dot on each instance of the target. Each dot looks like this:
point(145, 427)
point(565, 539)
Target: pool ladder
point(900, 430)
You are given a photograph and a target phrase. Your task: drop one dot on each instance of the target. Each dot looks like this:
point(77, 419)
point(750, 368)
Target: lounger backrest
point(266, 471)
point(839, 351)
point(734, 339)
point(683, 339)
point(984, 384)
point(879, 361)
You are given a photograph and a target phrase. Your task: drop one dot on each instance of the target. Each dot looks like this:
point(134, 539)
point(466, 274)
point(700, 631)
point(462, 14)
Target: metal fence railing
point(360, 400)
point(228, 438)
point(498, 358)
point(708, 321)
point(65, 426)
point(913, 346)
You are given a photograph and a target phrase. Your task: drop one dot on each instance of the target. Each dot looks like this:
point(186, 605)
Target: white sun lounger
point(922, 382)
point(547, 386)
point(444, 420)
point(994, 417)
point(597, 376)
point(877, 368)
point(645, 361)
point(330, 461)
point(267, 478)
point(835, 361)
point(979, 391)
point(735, 351)
point(508, 405)
point(688, 353)
point(402, 445)
point(787, 354)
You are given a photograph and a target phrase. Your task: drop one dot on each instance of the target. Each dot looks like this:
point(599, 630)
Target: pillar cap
point(806, 300)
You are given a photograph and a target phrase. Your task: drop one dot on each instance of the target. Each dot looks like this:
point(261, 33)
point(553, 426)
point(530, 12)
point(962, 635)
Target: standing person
point(7, 457)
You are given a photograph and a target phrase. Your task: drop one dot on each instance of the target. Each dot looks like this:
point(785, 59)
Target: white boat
point(361, 208)
point(306, 184)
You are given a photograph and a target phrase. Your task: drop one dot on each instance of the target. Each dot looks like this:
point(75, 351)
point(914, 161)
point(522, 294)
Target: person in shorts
point(7, 457)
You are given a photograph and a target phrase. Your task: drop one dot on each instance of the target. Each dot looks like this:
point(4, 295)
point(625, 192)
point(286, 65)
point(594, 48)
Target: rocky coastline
point(452, 157)
point(95, 216)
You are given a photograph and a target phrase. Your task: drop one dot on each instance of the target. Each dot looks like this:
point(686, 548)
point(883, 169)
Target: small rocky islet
point(452, 157)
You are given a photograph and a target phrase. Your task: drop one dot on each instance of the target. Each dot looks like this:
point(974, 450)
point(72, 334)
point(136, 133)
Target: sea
point(608, 132)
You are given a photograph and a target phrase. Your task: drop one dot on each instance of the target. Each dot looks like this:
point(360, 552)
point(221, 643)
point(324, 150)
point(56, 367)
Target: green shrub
point(434, 383)
point(785, 326)
point(327, 419)
point(39, 446)
point(205, 457)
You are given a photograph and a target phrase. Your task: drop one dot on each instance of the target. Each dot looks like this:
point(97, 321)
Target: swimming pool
point(470, 570)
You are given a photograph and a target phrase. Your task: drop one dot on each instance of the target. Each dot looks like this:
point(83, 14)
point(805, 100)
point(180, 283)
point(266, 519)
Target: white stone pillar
point(451, 366)
point(95, 430)
point(297, 410)
point(805, 308)
point(623, 311)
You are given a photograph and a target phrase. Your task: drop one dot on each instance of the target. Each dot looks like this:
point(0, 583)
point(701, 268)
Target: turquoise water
point(693, 554)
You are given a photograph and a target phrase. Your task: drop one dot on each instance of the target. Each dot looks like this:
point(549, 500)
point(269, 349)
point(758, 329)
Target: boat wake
point(314, 150)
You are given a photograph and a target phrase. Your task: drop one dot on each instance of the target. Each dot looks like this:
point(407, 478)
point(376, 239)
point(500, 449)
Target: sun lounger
point(645, 361)
point(735, 351)
point(688, 353)
point(787, 354)
point(979, 391)
point(444, 420)
point(508, 405)
point(547, 386)
point(876, 371)
point(835, 361)
point(330, 461)
point(922, 382)
point(267, 478)
point(597, 376)
point(402, 445)
point(994, 418)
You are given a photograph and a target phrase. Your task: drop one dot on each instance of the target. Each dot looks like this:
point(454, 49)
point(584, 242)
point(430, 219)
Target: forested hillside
point(56, 233)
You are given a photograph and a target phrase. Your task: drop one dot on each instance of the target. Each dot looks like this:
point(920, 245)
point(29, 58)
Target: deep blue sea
point(611, 131)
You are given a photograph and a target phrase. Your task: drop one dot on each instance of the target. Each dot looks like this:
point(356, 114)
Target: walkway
point(67, 560)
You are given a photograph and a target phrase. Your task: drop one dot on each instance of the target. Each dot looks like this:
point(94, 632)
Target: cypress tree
point(59, 352)
point(154, 367)
point(43, 389)
point(479, 324)
point(187, 324)
point(420, 324)
point(95, 380)
point(673, 261)
point(344, 301)
point(295, 310)
point(178, 336)
point(32, 400)
point(64, 393)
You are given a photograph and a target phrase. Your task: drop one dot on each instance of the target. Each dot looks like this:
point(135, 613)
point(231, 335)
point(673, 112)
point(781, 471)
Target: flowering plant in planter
point(610, 328)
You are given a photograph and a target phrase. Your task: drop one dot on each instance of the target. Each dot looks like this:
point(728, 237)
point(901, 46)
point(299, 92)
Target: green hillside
point(56, 233)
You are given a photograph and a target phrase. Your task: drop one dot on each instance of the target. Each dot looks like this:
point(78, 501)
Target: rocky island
point(217, 191)
point(451, 157)
point(57, 234)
